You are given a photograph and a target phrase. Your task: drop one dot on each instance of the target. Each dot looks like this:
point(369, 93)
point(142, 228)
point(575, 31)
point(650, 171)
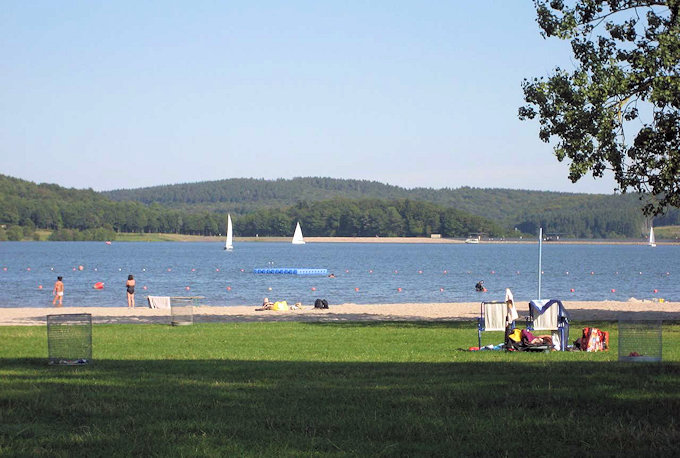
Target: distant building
point(435, 236)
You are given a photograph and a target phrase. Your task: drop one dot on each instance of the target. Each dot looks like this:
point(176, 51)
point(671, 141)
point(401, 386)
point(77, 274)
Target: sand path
point(582, 311)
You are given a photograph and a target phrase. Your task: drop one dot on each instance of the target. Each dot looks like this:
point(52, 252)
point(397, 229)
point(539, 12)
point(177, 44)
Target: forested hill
point(244, 195)
point(86, 215)
point(571, 215)
point(324, 206)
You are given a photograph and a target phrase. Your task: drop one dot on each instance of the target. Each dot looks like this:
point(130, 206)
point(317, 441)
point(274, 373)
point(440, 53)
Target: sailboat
point(297, 237)
point(229, 244)
point(652, 241)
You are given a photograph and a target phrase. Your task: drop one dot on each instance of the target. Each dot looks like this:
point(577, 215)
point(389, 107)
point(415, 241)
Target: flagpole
point(540, 255)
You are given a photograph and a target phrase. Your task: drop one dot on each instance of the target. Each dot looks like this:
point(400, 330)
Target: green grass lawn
point(340, 389)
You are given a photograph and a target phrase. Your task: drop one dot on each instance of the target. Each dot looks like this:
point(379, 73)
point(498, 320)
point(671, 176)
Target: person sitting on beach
point(266, 305)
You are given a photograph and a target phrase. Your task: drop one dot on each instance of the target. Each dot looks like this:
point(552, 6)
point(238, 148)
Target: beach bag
point(595, 340)
point(515, 335)
point(280, 306)
point(321, 304)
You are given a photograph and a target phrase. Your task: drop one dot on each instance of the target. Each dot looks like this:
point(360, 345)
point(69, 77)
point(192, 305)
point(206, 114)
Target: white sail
point(652, 240)
point(297, 237)
point(229, 244)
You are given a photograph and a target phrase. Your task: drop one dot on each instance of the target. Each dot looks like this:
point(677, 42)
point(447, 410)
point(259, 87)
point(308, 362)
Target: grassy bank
point(667, 232)
point(339, 389)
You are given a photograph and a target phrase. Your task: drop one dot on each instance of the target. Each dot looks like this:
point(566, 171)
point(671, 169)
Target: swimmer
point(58, 291)
point(130, 285)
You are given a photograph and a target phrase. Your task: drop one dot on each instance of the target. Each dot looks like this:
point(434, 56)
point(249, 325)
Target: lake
point(364, 272)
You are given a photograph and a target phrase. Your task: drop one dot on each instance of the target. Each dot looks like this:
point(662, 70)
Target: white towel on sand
point(159, 302)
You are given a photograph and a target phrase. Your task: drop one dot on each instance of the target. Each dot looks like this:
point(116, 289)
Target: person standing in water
point(58, 291)
point(130, 285)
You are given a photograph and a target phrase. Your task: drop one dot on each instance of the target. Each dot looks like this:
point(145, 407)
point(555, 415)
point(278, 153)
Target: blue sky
point(109, 95)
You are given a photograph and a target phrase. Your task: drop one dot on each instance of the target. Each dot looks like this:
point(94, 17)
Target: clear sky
point(127, 94)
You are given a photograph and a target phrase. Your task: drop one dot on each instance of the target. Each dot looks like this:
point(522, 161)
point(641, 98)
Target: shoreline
point(157, 237)
point(466, 311)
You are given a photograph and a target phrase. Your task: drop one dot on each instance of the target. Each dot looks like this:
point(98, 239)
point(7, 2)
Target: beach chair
point(492, 317)
point(550, 315)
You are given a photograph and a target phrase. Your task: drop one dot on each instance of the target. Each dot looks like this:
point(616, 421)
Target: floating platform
point(292, 271)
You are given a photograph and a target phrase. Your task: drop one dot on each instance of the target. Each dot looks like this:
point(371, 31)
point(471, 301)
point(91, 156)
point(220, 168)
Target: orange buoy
point(441, 290)
point(98, 285)
point(187, 288)
point(40, 287)
point(193, 270)
point(656, 291)
point(144, 286)
point(613, 290)
point(80, 267)
point(399, 289)
point(356, 289)
point(228, 288)
point(313, 288)
point(571, 290)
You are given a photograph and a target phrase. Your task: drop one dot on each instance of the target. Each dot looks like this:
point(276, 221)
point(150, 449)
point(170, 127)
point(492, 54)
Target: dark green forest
point(324, 206)
point(567, 214)
point(87, 215)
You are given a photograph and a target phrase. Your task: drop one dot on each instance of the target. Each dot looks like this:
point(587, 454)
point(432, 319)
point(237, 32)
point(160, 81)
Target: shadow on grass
point(271, 316)
point(227, 407)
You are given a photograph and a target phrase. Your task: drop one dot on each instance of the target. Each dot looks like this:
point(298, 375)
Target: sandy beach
point(579, 311)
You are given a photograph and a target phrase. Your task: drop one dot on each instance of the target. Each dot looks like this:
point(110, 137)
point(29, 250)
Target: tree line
point(77, 215)
point(367, 218)
point(87, 215)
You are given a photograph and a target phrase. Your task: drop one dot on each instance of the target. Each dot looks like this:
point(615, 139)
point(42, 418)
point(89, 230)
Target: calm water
point(424, 272)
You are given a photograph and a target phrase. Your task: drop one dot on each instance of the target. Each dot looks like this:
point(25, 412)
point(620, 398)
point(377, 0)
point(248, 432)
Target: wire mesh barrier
point(69, 339)
point(640, 340)
point(182, 310)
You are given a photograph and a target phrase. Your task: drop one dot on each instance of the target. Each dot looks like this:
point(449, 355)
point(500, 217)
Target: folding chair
point(492, 317)
point(550, 315)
